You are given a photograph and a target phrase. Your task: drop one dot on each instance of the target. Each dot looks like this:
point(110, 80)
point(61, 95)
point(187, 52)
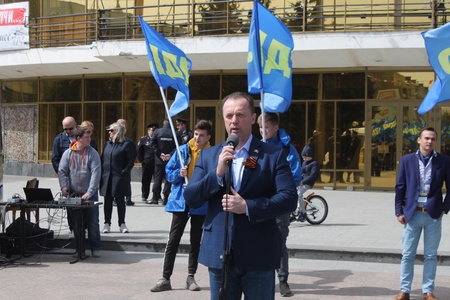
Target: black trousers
point(108, 206)
point(179, 221)
point(148, 169)
point(160, 175)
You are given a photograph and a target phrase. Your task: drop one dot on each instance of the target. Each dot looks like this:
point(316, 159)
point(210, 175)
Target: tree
point(219, 17)
point(313, 13)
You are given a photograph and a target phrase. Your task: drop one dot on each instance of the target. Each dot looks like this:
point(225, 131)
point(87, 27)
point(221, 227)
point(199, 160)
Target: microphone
point(233, 141)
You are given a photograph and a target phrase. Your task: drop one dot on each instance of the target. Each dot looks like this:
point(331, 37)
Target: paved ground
point(338, 259)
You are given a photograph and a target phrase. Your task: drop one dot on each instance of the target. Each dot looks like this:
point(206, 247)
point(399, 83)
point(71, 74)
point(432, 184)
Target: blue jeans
point(91, 221)
point(301, 190)
point(411, 235)
point(254, 284)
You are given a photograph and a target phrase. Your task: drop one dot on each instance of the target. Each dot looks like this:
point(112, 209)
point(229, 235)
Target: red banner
point(12, 16)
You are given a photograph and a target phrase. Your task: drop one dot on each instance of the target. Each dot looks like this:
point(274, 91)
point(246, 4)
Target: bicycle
point(316, 208)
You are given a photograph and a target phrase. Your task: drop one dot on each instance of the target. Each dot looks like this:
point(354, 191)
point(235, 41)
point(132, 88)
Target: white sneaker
point(123, 228)
point(71, 235)
point(106, 228)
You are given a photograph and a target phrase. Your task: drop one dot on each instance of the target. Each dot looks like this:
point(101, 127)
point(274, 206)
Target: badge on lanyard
point(422, 198)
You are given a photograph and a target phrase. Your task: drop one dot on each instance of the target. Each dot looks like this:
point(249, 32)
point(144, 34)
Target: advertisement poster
point(13, 32)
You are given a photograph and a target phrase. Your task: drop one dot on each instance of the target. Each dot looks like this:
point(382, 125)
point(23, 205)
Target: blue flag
point(169, 65)
point(437, 43)
point(269, 59)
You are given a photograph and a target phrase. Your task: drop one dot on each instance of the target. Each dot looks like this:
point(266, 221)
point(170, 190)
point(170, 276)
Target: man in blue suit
point(262, 189)
point(419, 204)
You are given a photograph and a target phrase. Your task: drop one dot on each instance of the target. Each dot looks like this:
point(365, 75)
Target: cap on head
point(181, 121)
point(307, 151)
point(152, 126)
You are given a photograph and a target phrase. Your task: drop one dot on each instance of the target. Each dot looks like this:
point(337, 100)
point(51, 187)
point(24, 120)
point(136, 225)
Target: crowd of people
point(240, 196)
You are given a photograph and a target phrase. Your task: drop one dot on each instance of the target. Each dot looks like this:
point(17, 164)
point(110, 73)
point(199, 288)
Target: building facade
point(360, 67)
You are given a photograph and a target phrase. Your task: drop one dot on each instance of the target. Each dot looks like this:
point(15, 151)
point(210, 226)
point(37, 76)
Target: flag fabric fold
point(269, 63)
point(169, 65)
point(437, 44)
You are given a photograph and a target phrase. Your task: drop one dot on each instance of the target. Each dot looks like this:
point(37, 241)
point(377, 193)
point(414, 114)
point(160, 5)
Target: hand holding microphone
point(227, 155)
point(232, 141)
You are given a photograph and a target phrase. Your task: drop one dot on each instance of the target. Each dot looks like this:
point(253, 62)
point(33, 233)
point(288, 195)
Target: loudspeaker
point(31, 229)
point(35, 238)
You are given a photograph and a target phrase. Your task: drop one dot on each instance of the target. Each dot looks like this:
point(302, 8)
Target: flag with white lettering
point(437, 44)
point(269, 59)
point(169, 65)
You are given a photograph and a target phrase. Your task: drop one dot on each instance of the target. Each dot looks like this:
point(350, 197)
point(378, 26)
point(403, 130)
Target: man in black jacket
point(184, 134)
point(146, 156)
point(62, 141)
point(164, 143)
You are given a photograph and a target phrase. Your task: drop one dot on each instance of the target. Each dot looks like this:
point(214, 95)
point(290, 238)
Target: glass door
point(210, 110)
point(381, 168)
point(395, 127)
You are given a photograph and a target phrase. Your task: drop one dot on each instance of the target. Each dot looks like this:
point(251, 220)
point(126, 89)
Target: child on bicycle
point(310, 173)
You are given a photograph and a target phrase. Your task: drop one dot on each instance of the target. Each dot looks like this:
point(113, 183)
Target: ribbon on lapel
point(249, 164)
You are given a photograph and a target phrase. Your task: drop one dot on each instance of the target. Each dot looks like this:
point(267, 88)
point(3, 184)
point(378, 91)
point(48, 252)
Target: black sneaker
point(130, 203)
point(162, 285)
point(285, 290)
point(301, 217)
point(191, 284)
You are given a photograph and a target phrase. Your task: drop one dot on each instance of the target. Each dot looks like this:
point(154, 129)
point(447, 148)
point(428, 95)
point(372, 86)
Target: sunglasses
point(111, 130)
point(66, 129)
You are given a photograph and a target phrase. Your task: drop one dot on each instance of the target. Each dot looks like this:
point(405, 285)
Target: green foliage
point(313, 9)
point(218, 17)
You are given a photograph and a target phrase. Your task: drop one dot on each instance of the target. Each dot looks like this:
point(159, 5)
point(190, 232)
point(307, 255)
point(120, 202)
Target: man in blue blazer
point(419, 204)
point(262, 189)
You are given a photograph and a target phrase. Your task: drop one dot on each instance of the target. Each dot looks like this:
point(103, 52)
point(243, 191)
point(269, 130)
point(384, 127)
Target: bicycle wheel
point(316, 210)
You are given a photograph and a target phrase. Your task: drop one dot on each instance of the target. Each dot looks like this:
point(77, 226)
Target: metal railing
point(229, 18)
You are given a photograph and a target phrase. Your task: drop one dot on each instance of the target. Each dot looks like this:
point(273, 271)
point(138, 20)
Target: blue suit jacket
point(269, 191)
point(408, 185)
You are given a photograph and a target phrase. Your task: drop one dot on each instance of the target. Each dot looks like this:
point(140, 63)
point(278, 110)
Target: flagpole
point(263, 118)
point(173, 130)
point(258, 59)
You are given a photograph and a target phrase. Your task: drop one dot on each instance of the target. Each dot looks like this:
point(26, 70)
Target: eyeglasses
point(66, 129)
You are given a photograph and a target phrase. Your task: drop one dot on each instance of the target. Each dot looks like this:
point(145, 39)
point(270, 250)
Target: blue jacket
point(60, 144)
point(408, 182)
point(310, 172)
point(269, 191)
point(176, 201)
point(284, 140)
